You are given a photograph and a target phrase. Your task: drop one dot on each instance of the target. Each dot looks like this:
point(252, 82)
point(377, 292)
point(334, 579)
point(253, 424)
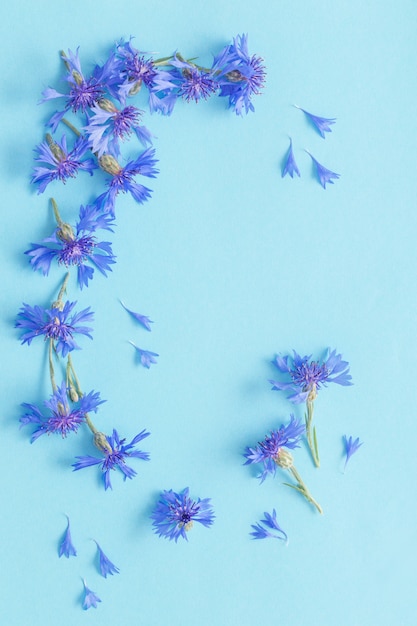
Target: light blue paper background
point(234, 264)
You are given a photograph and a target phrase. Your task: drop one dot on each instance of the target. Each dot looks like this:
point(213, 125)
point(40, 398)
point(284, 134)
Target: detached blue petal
point(322, 124)
point(290, 166)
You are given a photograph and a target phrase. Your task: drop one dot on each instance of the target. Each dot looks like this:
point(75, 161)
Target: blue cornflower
point(193, 82)
point(307, 376)
point(135, 70)
point(106, 566)
point(60, 163)
point(142, 319)
point(66, 548)
point(240, 76)
point(175, 514)
point(324, 175)
point(90, 598)
point(290, 166)
point(115, 452)
point(351, 446)
point(123, 178)
point(270, 452)
point(322, 124)
point(146, 357)
point(259, 532)
point(109, 125)
point(61, 417)
point(84, 92)
point(76, 248)
point(56, 323)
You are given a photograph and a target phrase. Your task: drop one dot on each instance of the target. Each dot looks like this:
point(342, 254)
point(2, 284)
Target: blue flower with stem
point(59, 163)
point(351, 447)
point(75, 246)
point(175, 514)
point(105, 565)
point(58, 323)
point(240, 75)
point(66, 547)
point(90, 598)
point(322, 124)
point(63, 416)
point(269, 522)
point(273, 452)
point(307, 377)
point(290, 166)
point(324, 175)
point(115, 451)
point(123, 178)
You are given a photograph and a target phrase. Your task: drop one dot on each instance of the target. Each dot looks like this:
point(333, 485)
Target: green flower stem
point(56, 213)
point(63, 288)
point(74, 383)
point(71, 127)
point(64, 58)
point(51, 366)
point(311, 433)
point(301, 487)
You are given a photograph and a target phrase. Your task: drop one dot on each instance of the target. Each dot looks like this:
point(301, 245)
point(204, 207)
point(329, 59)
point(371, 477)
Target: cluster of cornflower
point(88, 133)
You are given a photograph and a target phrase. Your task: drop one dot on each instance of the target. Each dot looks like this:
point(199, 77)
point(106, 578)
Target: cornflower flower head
point(290, 166)
point(122, 180)
point(76, 247)
point(83, 92)
point(351, 446)
point(271, 451)
point(109, 125)
point(271, 523)
point(90, 598)
point(57, 323)
point(322, 124)
point(59, 163)
point(115, 451)
point(240, 75)
point(324, 175)
point(66, 548)
point(193, 83)
point(61, 417)
point(307, 376)
point(105, 565)
point(146, 357)
point(175, 514)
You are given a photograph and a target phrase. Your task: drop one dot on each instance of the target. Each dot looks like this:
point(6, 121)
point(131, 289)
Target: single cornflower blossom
point(146, 357)
point(66, 547)
point(240, 75)
point(324, 175)
point(59, 163)
point(193, 82)
point(62, 417)
point(307, 377)
point(142, 319)
point(273, 452)
point(290, 166)
point(90, 598)
point(175, 514)
point(122, 180)
point(76, 247)
point(57, 323)
point(109, 125)
point(351, 446)
point(259, 532)
point(322, 124)
point(105, 565)
point(115, 451)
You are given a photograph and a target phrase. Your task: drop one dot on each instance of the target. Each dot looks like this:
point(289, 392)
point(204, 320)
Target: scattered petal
point(322, 124)
point(90, 598)
point(142, 319)
point(66, 547)
point(259, 532)
point(146, 357)
point(290, 166)
point(106, 566)
point(324, 175)
point(351, 447)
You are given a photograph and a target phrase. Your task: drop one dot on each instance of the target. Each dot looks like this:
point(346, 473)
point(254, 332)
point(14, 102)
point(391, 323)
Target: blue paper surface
point(233, 264)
